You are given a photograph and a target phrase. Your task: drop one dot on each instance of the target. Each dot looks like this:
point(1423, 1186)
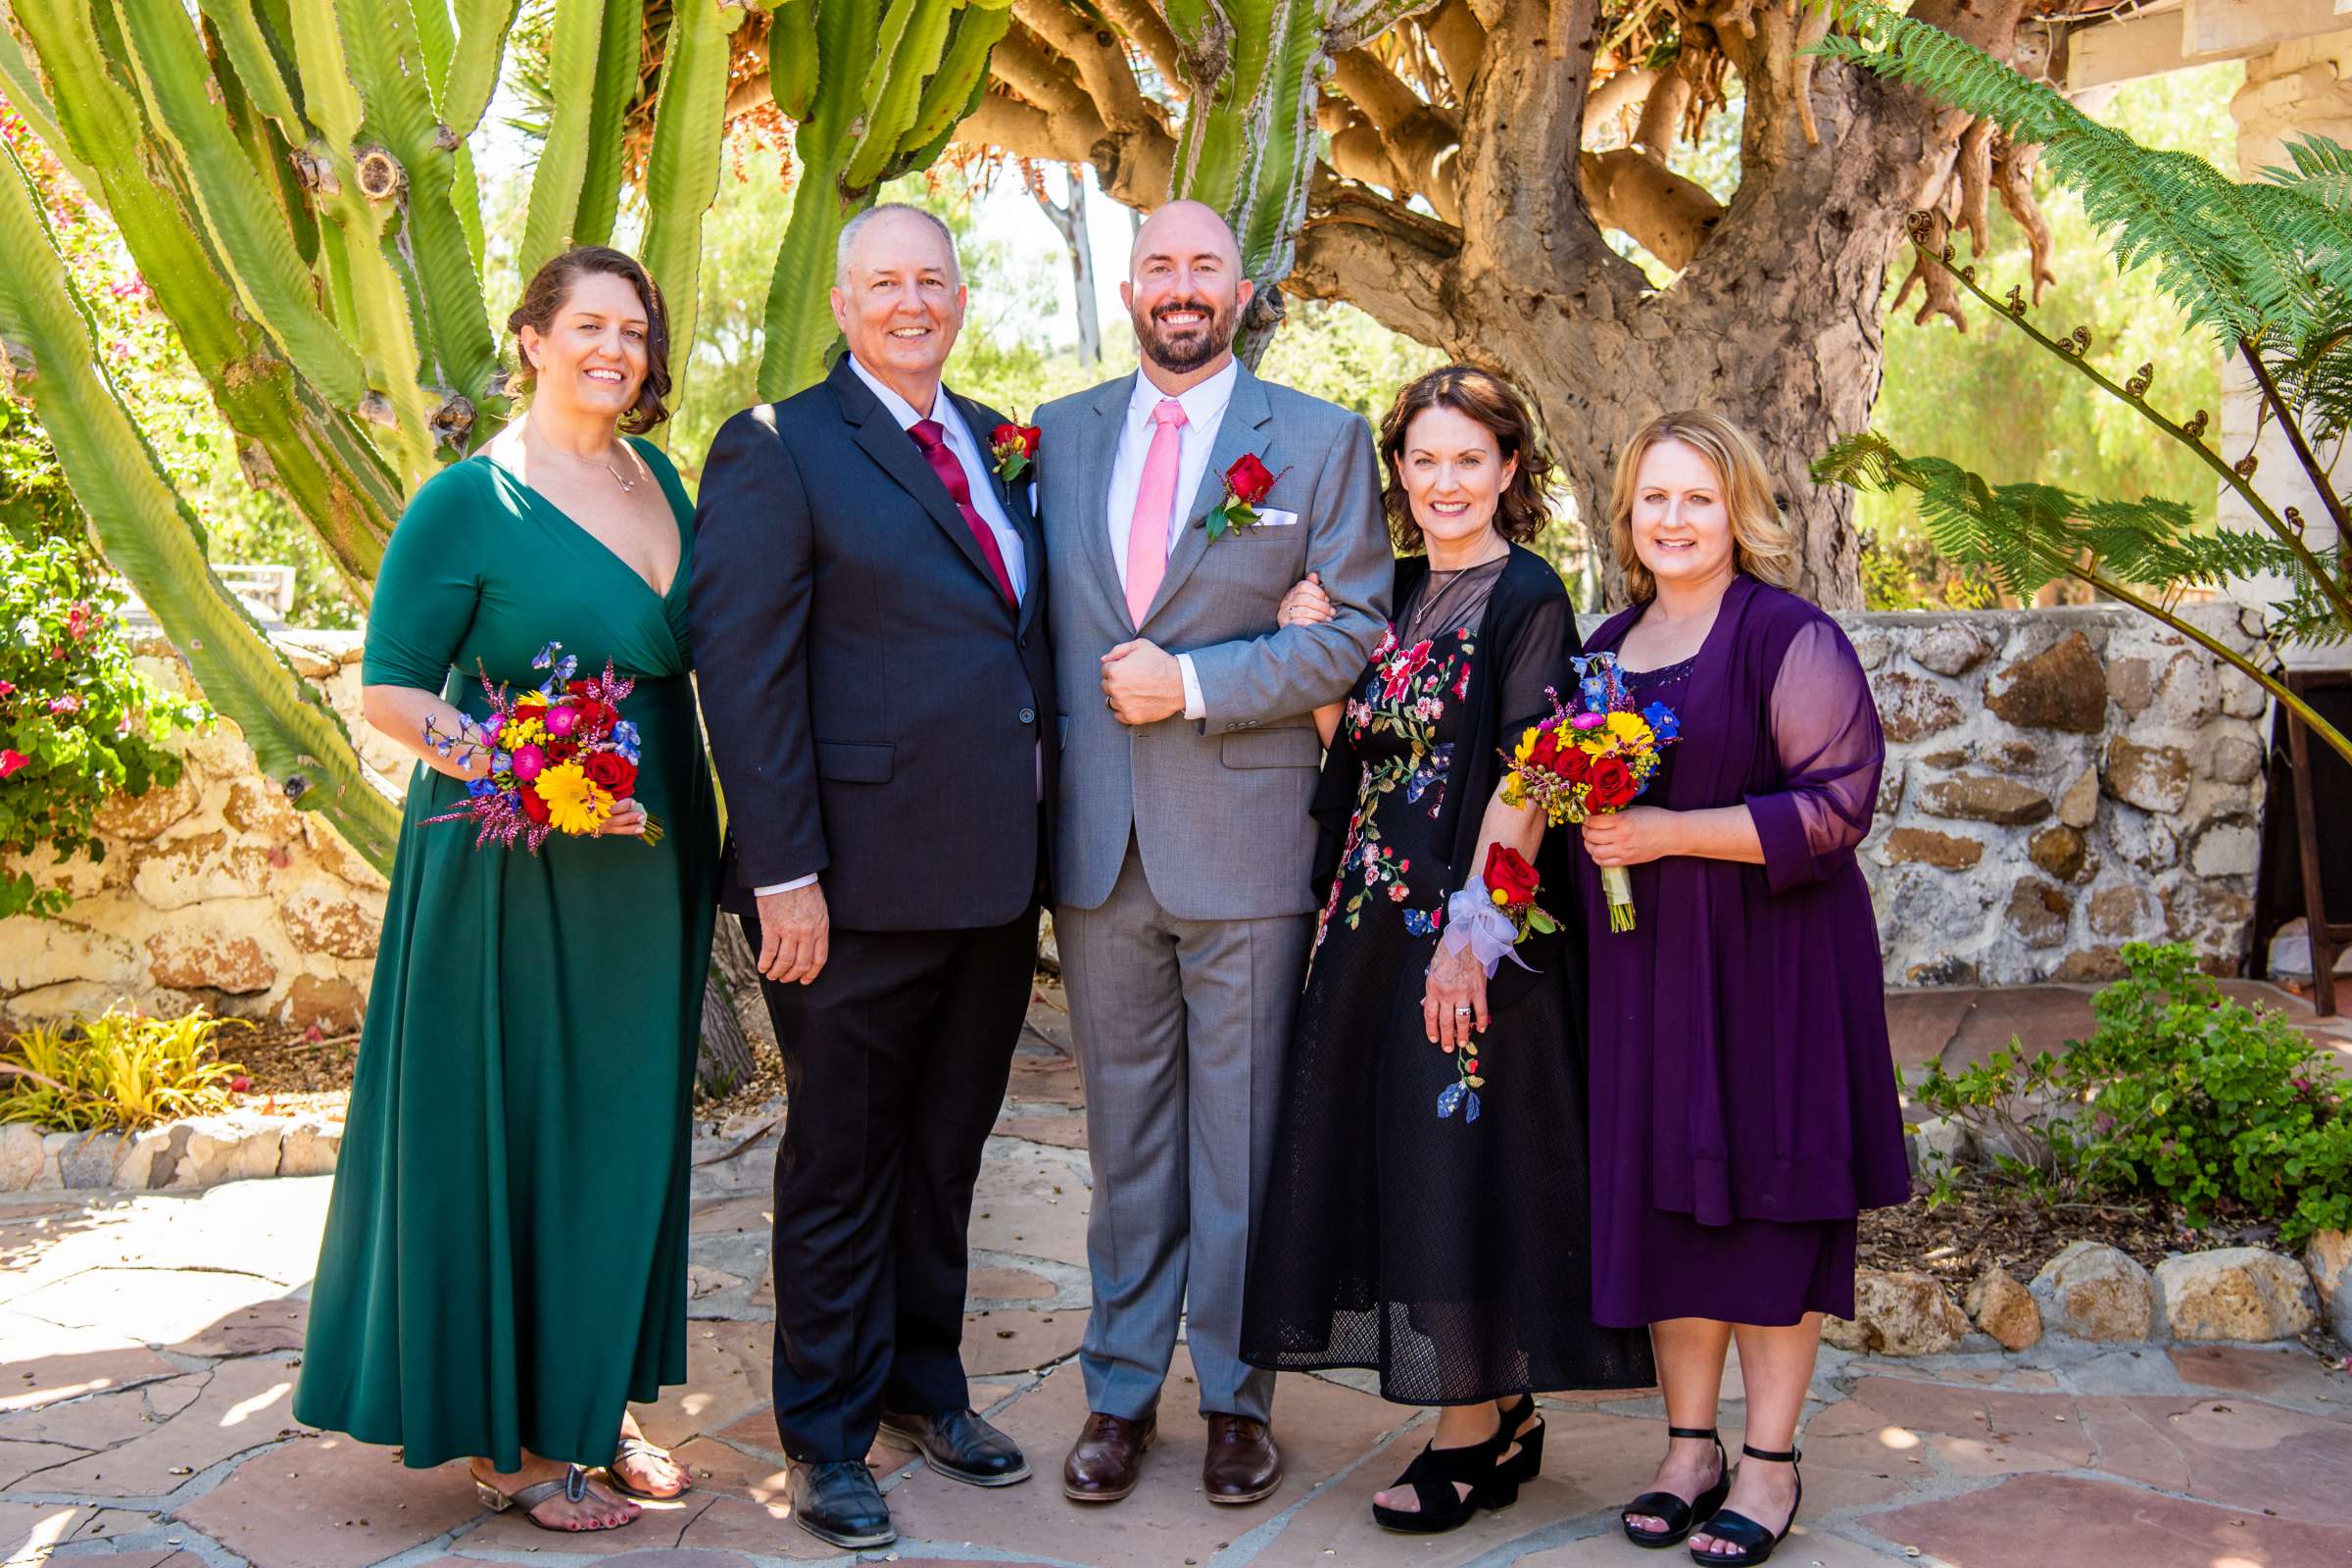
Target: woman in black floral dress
point(1428, 1218)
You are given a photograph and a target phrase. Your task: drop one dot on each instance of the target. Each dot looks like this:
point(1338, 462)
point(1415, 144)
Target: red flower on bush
point(612, 771)
point(12, 760)
point(1509, 875)
point(1612, 783)
point(1249, 480)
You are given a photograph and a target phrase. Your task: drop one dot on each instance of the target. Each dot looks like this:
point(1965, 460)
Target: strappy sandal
point(573, 1487)
point(1680, 1517)
point(638, 1448)
point(1528, 1464)
point(1755, 1544)
point(1432, 1475)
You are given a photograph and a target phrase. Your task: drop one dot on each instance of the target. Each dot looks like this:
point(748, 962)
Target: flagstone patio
point(149, 1345)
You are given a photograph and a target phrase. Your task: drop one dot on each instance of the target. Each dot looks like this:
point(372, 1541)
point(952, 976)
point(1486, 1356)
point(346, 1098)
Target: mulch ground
point(1977, 1226)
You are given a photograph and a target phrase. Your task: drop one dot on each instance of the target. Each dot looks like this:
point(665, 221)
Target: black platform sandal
point(1755, 1542)
point(1433, 1474)
point(1528, 1464)
point(1680, 1517)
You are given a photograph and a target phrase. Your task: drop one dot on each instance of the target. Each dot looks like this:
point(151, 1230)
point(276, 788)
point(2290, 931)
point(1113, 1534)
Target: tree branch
point(1133, 150)
point(1146, 29)
point(1453, 30)
point(1421, 138)
point(1392, 264)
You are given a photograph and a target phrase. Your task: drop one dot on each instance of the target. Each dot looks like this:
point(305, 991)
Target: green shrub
point(2181, 1093)
point(118, 1071)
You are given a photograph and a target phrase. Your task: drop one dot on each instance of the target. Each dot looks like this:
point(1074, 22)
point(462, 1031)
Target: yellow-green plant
point(118, 1071)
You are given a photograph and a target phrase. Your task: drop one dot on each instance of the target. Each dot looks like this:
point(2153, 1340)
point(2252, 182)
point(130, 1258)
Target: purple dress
point(1743, 1090)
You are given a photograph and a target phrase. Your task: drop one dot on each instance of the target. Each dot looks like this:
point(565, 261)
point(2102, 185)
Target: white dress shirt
point(1204, 406)
point(980, 479)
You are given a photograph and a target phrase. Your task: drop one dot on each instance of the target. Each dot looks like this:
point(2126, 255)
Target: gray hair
point(850, 231)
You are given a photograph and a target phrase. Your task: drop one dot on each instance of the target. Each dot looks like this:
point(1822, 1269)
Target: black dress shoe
point(958, 1445)
point(838, 1503)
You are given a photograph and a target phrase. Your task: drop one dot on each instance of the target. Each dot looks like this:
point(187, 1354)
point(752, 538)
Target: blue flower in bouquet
point(479, 787)
point(1662, 722)
point(624, 739)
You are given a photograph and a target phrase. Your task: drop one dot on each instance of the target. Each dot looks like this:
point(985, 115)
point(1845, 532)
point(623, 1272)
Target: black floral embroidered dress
point(1445, 1250)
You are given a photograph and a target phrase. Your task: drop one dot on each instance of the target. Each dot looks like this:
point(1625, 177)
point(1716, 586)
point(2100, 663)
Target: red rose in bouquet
point(1509, 876)
point(612, 771)
point(1249, 480)
point(532, 806)
point(1546, 751)
point(1612, 783)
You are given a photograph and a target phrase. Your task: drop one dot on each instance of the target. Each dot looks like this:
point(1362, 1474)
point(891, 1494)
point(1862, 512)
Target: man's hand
point(1142, 683)
point(793, 931)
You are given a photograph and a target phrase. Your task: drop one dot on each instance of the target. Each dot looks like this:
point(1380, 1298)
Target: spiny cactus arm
point(1282, 135)
point(956, 89)
point(2027, 535)
point(241, 214)
point(255, 62)
point(288, 434)
point(150, 536)
point(792, 57)
point(371, 300)
point(616, 61)
point(681, 171)
point(914, 35)
point(383, 55)
point(482, 28)
point(798, 322)
point(554, 205)
point(21, 85)
point(1213, 145)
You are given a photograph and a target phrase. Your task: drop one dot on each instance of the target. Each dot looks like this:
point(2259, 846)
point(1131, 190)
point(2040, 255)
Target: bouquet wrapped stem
point(1618, 887)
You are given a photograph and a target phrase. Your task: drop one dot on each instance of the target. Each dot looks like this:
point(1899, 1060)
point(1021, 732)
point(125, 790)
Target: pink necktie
point(1154, 501)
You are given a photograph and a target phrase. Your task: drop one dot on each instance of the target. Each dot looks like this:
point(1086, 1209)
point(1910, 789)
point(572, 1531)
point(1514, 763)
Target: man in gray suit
point(1183, 862)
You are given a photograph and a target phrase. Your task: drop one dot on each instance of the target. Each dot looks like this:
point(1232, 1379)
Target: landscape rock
point(1910, 707)
point(2154, 779)
point(2094, 1291)
point(21, 1157)
point(2189, 694)
point(2079, 806)
point(332, 1005)
point(226, 1149)
point(86, 1163)
point(1902, 1313)
point(2228, 848)
point(2328, 1257)
point(1940, 1145)
point(2089, 965)
point(1924, 846)
point(2131, 682)
point(1980, 798)
point(2014, 755)
point(2234, 760)
point(2236, 1292)
point(150, 1157)
point(144, 816)
point(1951, 649)
point(199, 956)
point(307, 1146)
point(323, 919)
point(2005, 1309)
point(2059, 850)
point(2037, 912)
point(2118, 914)
point(2061, 688)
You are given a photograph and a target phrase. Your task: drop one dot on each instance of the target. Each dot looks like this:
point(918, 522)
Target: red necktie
point(931, 436)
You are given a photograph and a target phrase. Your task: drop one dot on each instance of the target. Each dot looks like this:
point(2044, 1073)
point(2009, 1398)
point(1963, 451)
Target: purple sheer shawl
point(1758, 988)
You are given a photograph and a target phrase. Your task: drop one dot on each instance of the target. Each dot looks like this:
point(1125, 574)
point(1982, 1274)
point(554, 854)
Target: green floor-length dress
point(504, 1258)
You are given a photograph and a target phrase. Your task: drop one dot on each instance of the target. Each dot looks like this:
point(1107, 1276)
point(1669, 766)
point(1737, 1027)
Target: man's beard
point(1195, 346)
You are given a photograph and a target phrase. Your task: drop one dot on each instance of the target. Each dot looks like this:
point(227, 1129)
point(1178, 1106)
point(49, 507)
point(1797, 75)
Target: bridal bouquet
point(560, 756)
point(1595, 758)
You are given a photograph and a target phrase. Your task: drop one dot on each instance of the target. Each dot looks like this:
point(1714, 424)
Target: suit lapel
point(895, 452)
point(1013, 498)
point(1238, 434)
point(1099, 454)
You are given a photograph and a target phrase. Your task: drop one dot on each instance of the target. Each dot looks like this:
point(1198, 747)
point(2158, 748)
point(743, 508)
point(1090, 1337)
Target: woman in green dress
point(504, 1261)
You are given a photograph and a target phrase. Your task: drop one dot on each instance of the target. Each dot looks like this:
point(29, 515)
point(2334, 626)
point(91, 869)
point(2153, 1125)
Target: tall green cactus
point(878, 90)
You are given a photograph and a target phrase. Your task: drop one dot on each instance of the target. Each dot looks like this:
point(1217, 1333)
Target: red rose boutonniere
point(1013, 447)
point(1246, 484)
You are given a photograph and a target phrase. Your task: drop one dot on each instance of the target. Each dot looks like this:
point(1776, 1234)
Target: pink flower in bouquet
point(560, 721)
point(1590, 721)
point(492, 725)
point(529, 762)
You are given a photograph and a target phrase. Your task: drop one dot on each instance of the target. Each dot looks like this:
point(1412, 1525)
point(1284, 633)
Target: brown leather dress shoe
point(1108, 1459)
point(1242, 1464)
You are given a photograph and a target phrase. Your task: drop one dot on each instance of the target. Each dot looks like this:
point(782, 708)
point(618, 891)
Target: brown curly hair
point(551, 285)
point(1496, 405)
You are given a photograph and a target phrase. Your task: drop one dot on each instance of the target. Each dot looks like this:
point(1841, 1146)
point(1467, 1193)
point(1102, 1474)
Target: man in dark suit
point(878, 686)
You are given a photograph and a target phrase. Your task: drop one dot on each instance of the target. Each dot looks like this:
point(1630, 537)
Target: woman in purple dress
point(1742, 1092)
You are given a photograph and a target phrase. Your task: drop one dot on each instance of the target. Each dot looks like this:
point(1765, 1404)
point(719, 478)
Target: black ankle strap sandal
point(1682, 1515)
point(1432, 1475)
point(1753, 1543)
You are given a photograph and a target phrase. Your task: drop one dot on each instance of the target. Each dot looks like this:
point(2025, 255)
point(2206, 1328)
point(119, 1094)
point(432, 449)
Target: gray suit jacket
point(1217, 807)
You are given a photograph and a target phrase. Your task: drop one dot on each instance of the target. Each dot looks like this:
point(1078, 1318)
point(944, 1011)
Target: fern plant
point(2266, 267)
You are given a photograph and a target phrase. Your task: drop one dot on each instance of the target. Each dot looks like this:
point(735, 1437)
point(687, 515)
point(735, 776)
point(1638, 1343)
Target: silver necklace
point(626, 485)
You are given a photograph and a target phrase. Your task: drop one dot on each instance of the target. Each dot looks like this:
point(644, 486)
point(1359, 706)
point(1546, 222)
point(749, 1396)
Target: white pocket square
point(1271, 518)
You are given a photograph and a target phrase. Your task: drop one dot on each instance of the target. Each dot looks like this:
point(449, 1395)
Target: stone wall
point(215, 891)
point(2060, 782)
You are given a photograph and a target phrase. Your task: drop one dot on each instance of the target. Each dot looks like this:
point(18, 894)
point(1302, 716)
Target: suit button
point(1028, 715)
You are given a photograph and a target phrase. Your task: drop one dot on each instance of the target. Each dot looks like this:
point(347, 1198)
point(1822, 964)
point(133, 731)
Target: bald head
point(1184, 290)
point(899, 299)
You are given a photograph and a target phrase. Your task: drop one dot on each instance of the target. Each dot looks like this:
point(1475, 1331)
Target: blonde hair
point(1762, 545)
